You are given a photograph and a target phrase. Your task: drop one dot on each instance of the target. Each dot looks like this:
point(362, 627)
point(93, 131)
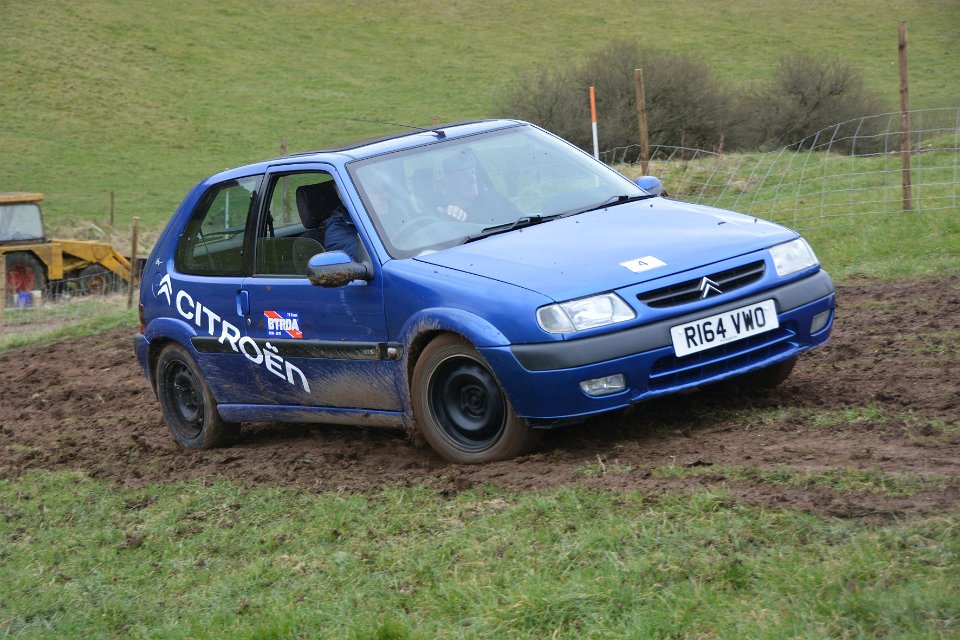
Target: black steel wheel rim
point(183, 395)
point(467, 403)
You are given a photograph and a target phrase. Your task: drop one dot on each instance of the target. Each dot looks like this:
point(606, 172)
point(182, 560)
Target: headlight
point(585, 313)
point(792, 256)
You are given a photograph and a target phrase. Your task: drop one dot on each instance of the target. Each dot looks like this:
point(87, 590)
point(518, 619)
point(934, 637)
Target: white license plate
point(724, 328)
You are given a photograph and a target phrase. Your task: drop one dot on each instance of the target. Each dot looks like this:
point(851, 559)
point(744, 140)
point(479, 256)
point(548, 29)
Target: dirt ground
point(882, 396)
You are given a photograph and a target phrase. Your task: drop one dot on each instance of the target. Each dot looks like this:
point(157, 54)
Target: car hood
point(581, 255)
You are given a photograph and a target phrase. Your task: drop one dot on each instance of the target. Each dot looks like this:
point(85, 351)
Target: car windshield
point(453, 191)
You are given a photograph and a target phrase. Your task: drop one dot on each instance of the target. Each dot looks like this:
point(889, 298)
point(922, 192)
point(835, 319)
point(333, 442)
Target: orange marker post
point(593, 121)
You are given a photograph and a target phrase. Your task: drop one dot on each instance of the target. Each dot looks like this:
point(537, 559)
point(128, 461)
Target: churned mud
point(866, 427)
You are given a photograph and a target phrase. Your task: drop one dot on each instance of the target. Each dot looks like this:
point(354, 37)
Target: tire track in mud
point(883, 397)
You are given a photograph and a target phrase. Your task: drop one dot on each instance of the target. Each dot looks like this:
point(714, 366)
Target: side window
point(213, 241)
point(294, 229)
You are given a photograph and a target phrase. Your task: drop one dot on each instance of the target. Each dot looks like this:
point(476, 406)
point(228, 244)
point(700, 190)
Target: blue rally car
point(480, 282)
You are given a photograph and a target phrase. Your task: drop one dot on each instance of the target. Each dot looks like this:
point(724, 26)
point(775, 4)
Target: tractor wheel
point(24, 273)
point(97, 280)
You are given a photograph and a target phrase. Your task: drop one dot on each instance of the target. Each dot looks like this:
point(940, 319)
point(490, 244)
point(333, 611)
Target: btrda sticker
point(283, 324)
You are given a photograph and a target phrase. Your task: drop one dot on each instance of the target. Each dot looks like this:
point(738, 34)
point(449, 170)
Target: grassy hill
point(658, 529)
point(145, 98)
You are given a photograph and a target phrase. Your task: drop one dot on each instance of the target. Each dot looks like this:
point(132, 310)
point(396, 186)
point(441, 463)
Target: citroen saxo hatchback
point(480, 282)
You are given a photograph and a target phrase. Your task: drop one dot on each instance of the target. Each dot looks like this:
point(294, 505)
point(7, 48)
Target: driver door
point(321, 347)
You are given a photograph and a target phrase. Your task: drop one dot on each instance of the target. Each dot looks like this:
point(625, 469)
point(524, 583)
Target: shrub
point(686, 104)
point(807, 94)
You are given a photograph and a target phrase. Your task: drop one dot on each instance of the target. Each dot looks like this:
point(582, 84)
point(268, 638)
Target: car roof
point(373, 147)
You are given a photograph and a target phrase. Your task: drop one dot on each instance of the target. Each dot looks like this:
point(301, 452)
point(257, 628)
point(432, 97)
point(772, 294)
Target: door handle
point(243, 302)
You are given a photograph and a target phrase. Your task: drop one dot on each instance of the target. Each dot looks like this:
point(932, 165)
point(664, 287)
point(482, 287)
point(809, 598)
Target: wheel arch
point(154, 349)
point(159, 334)
point(428, 324)
point(460, 407)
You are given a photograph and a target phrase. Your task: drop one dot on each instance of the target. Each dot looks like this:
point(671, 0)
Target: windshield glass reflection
point(439, 195)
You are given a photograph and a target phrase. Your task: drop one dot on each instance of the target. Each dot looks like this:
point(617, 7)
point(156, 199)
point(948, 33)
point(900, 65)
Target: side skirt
point(326, 415)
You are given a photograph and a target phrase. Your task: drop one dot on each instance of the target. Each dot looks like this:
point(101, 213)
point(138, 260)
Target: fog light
point(604, 386)
point(819, 321)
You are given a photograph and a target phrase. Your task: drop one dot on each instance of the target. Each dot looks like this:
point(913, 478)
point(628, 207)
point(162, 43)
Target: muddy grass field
point(866, 427)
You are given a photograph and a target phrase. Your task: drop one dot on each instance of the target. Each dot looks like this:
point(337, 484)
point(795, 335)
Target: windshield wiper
point(520, 223)
point(529, 221)
point(613, 201)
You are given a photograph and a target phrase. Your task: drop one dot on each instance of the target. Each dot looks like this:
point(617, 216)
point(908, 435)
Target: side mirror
point(335, 269)
point(651, 184)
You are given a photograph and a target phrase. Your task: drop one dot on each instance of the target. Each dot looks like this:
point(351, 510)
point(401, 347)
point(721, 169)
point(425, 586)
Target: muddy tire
point(97, 280)
point(188, 406)
point(24, 273)
point(460, 408)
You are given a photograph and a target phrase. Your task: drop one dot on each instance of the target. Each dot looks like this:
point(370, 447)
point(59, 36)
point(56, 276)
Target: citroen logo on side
point(709, 288)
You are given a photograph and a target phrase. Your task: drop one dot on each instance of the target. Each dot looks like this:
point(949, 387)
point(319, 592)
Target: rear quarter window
point(213, 241)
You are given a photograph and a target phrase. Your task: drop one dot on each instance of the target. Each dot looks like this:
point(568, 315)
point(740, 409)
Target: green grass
point(838, 480)
point(84, 317)
point(146, 98)
point(800, 188)
point(82, 559)
point(855, 418)
point(849, 208)
point(899, 245)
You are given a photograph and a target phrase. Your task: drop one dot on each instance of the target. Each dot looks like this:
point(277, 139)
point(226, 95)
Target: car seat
point(315, 203)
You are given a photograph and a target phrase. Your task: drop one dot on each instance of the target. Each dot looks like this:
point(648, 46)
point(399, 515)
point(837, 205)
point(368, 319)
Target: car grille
point(689, 291)
point(671, 371)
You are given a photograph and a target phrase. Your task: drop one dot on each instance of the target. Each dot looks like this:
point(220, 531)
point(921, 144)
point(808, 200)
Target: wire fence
point(59, 304)
point(31, 304)
point(849, 169)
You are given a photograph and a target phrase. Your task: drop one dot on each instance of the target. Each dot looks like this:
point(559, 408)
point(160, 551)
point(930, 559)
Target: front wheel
point(188, 406)
point(460, 408)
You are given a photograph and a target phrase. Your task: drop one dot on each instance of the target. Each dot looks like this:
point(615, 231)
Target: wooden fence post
point(642, 122)
point(133, 263)
point(905, 150)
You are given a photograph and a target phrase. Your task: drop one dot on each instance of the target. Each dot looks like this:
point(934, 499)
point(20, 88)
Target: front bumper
point(543, 380)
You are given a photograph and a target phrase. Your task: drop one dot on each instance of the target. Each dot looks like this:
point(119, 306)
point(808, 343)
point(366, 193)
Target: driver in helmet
point(466, 199)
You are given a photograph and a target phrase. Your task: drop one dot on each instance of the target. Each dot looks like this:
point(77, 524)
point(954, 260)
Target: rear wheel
point(24, 273)
point(97, 280)
point(189, 408)
point(460, 408)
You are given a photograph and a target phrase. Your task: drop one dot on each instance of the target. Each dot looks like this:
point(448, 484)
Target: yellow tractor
point(33, 261)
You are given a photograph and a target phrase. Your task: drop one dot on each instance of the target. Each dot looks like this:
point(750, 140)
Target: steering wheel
point(412, 228)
